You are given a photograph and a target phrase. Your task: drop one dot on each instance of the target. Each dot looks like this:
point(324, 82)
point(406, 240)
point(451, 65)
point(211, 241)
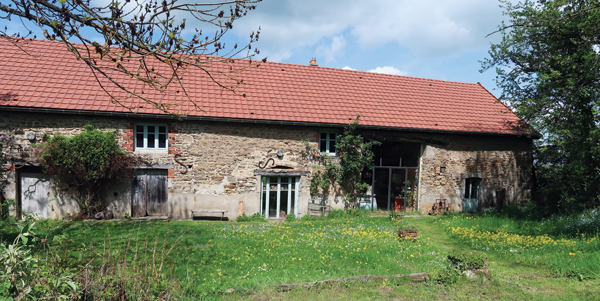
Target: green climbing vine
point(343, 176)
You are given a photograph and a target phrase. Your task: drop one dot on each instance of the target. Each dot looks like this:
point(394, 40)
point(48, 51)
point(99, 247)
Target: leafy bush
point(336, 213)
point(26, 275)
point(308, 218)
point(243, 218)
point(527, 220)
point(290, 217)
point(464, 261)
point(5, 207)
point(450, 277)
point(256, 217)
point(575, 225)
point(339, 213)
point(89, 161)
point(358, 212)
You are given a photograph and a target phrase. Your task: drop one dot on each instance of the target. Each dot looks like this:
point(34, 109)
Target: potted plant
point(410, 201)
point(398, 203)
point(410, 193)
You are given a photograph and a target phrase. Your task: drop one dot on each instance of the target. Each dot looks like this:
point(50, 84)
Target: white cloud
point(388, 70)
point(348, 68)
point(329, 53)
point(427, 27)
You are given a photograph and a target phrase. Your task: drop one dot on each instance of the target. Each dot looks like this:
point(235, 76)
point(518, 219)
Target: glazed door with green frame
point(279, 196)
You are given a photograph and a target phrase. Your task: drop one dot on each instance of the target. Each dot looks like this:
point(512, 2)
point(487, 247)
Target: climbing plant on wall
point(344, 175)
point(86, 162)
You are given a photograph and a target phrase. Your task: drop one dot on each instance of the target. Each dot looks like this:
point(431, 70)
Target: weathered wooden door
point(150, 193)
point(35, 194)
point(471, 200)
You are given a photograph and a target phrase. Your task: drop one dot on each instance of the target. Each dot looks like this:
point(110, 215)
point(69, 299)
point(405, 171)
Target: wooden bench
point(209, 211)
point(317, 207)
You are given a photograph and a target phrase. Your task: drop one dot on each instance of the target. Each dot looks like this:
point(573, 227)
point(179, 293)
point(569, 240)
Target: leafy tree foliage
point(548, 65)
point(149, 41)
point(87, 161)
point(356, 156)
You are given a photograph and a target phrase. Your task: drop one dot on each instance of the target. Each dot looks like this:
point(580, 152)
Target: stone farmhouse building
point(439, 139)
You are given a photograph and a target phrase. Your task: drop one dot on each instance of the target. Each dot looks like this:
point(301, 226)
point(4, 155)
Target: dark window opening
point(404, 154)
point(327, 143)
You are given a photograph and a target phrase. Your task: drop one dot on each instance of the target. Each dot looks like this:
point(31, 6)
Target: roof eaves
point(255, 121)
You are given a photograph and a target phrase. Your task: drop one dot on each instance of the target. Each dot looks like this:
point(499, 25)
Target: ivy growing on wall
point(85, 163)
point(343, 176)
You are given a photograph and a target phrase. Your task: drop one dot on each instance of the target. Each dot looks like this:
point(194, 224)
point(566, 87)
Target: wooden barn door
point(150, 193)
point(35, 194)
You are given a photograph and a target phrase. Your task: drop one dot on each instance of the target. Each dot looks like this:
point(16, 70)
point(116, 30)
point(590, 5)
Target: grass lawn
point(240, 261)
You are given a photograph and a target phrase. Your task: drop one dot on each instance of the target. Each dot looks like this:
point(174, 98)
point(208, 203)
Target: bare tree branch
point(145, 40)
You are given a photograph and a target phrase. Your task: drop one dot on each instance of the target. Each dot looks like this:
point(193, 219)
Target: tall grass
point(188, 260)
point(55, 265)
point(568, 244)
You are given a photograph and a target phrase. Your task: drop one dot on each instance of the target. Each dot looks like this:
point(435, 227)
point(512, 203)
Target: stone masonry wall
point(221, 160)
point(504, 164)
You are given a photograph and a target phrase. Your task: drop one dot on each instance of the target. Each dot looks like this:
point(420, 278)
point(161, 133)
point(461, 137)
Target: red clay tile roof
point(48, 76)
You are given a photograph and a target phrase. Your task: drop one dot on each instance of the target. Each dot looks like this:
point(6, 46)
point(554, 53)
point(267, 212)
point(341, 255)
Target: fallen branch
point(289, 287)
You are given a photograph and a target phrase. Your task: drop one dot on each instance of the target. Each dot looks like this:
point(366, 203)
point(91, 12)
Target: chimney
point(313, 62)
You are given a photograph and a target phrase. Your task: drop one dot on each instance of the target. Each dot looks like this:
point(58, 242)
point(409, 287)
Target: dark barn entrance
point(395, 175)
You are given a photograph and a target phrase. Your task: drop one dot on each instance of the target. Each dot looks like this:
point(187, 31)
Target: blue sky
point(437, 39)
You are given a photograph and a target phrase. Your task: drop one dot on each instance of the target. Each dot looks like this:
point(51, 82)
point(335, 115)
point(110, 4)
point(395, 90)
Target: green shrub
point(88, 161)
point(257, 217)
point(5, 207)
point(339, 213)
point(448, 278)
point(242, 218)
point(336, 213)
point(358, 212)
point(290, 217)
point(308, 218)
point(26, 275)
point(464, 261)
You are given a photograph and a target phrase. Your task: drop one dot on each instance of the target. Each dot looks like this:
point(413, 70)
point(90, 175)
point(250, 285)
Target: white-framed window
point(151, 137)
point(328, 142)
point(279, 196)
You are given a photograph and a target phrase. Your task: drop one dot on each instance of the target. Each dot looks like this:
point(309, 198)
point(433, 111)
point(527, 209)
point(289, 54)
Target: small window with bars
point(151, 137)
